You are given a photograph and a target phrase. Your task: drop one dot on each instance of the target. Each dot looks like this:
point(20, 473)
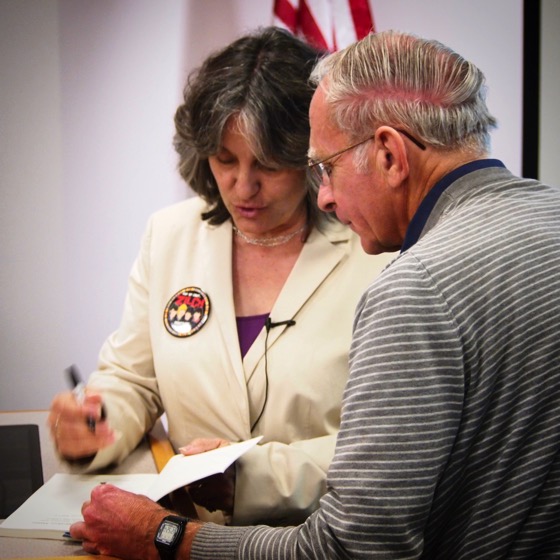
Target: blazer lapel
point(319, 256)
point(218, 269)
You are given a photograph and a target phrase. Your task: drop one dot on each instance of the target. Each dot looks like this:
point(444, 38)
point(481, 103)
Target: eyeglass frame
point(322, 170)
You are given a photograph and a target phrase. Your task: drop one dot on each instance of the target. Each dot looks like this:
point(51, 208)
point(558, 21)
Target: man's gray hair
point(397, 79)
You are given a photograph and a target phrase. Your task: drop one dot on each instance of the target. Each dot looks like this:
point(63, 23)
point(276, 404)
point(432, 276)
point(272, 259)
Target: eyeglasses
point(323, 172)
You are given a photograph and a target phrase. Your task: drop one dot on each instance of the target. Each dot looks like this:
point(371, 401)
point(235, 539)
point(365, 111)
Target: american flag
point(328, 24)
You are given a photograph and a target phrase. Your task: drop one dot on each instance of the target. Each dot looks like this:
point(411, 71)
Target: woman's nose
point(247, 180)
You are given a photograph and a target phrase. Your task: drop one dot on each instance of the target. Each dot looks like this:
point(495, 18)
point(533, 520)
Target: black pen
point(78, 388)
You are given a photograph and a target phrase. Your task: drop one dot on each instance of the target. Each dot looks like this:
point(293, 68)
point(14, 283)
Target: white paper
point(50, 511)
point(182, 470)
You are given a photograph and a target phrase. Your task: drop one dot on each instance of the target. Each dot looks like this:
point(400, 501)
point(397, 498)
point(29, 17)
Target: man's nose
point(325, 199)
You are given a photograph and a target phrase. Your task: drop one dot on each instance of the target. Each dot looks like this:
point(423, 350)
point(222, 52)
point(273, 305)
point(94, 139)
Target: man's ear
point(392, 158)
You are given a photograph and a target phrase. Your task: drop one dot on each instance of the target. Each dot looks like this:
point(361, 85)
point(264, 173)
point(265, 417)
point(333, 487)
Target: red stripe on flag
point(300, 21)
point(309, 27)
point(362, 17)
point(287, 14)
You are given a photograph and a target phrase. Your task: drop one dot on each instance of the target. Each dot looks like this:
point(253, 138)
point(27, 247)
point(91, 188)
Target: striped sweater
point(449, 446)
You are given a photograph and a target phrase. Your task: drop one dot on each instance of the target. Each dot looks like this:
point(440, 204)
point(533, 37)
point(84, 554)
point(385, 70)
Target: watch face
point(168, 532)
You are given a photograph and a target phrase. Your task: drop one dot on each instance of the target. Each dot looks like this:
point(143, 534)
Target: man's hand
point(123, 524)
point(119, 523)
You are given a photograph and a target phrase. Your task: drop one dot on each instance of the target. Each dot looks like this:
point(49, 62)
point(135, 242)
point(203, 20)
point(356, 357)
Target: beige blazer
point(202, 383)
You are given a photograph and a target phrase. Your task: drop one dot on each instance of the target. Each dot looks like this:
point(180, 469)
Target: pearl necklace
point(267, 241)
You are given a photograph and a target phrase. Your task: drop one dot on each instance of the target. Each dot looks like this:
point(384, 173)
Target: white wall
point(31, 214)
point(87, 95)
point(120, 78)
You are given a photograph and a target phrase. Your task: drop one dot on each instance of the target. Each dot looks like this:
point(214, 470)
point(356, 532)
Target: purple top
point(248, 328)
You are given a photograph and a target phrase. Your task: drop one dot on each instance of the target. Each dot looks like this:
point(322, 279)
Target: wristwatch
point(169, 536)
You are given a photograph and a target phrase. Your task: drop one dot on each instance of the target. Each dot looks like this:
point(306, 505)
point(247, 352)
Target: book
point(49, 512)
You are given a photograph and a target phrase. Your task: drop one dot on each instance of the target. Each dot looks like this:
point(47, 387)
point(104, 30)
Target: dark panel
point(531, 87)
point(21, 468)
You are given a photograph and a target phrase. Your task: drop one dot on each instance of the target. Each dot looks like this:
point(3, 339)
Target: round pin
point(186, 312)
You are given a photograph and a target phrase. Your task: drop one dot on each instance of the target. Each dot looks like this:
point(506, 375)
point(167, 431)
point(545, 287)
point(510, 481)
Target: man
point(449, 444)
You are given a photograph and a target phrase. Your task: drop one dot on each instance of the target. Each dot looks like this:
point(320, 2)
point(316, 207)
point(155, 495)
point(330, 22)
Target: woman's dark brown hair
point(263, 79)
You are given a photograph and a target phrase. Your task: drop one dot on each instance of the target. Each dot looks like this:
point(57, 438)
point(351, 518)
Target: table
point(150, 456)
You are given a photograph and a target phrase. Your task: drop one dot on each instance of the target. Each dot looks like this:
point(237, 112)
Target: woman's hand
point(70, 431)
point(216, 492)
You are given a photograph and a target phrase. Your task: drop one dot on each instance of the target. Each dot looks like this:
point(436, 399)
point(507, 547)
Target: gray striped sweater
point(449, 446)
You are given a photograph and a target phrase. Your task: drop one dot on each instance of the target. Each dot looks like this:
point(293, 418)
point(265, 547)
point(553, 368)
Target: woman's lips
point(248, 211)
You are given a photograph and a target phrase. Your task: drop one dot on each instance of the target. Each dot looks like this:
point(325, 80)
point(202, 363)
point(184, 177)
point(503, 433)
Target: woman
point(239, 310)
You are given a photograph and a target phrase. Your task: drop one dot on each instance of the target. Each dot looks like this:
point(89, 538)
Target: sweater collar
point(421, 216)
